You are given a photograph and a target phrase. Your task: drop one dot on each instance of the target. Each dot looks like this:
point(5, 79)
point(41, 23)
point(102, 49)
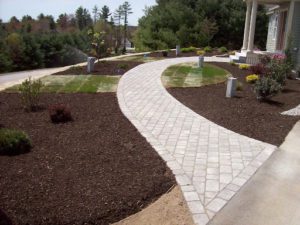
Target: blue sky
point(19, 8)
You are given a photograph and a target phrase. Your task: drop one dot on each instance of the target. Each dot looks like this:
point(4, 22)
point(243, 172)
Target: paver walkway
point(292, 112)
point(210, 162)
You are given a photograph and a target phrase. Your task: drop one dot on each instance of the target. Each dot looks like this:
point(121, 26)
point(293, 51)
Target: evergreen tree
point(33, 56)
point(118, 17)
point(51, 22)
point(83, 18)
point(198, 23)
point(95, 13)
point(62, 21)
point(105, 13)
point(26, 18)
point(41, 16)
point(15, 44)
point(126, 10)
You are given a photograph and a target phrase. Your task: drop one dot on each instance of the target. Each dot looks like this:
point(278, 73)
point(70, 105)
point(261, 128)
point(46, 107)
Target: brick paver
point(210, 163)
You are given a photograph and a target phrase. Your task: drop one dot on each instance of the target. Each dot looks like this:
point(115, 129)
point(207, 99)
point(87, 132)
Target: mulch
point(172, 54)
point(97, 169)
point(244, 114)
point(103, 68)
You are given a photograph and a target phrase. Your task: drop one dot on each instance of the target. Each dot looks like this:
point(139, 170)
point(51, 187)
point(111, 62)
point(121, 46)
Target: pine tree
point(83, 18)
point(118, 17)
point(95, 13)
point(127, 10)
point(105, 13)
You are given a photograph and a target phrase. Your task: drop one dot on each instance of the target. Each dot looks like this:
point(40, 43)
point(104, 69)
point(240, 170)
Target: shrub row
point(189, 49)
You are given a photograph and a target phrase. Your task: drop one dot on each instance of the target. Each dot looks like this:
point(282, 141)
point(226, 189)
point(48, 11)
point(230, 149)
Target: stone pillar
point(200, 61)
point(252, 26)
point(231, 87)
point(90, 64)
point(247, 26)
point(177, 50)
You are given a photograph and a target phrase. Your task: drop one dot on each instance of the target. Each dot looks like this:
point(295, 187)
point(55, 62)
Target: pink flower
point(279, 57)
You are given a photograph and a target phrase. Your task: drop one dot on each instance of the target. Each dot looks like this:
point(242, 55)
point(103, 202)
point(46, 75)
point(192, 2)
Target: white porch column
point(252, 26)
point(247, 25)
point(289, 23)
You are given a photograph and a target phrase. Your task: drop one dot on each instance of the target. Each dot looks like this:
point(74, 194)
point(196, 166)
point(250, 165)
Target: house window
point(275, 26)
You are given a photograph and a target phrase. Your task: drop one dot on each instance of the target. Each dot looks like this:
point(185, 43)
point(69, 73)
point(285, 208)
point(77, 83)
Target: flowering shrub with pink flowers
point(279, 57)
point(273, 71)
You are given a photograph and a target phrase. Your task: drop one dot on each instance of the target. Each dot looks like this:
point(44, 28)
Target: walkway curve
point(210, 163)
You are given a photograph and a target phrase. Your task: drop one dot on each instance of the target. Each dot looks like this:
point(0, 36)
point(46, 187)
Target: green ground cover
point(189, 75)
point(140, 58)
point(76, 83)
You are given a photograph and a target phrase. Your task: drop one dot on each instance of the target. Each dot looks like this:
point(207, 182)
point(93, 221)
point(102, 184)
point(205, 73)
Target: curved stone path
point(210, 163)
point(292, 112)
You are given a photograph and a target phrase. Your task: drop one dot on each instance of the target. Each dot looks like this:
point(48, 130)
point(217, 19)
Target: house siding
point(295, 34)
point(271, 42)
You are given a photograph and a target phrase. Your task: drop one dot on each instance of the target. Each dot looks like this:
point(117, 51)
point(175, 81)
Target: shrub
point(122, 66)
point(279, 70)
point(223, 49)
point(13, 142)
point(265, 59)
point(189, 49)
point(207, 49)
point(266, 87)
point(232, 53)
point(252, 78)
point(30, 93)
point(244, 66)
point(60, 113)
point(200, 52)
point(279, 57)
point(258, 69)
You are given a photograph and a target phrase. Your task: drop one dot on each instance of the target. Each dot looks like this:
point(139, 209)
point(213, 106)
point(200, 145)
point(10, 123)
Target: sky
point(19, 8)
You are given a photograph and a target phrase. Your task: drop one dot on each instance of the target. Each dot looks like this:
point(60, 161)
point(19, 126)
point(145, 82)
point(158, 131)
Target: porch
point(280, 12)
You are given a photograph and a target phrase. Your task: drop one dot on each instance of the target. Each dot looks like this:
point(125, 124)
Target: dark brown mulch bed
point(172, 54)
point(95, 170)
point(244, 114)
point(103, 68)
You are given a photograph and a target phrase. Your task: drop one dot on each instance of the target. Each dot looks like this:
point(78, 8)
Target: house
point(284, 30)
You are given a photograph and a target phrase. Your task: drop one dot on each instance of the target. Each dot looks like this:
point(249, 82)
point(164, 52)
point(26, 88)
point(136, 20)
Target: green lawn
point(76, 83)
point(140, 58)
point(189, 75)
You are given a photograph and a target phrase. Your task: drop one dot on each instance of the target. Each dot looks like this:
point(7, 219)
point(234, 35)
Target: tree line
point(31, 43)
point(197, 23)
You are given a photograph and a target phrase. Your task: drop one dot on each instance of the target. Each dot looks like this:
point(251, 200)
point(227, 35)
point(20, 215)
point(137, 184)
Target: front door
point(281, 31)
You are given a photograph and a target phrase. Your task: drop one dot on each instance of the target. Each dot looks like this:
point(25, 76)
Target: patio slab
point(210, 163)
point(271, 197)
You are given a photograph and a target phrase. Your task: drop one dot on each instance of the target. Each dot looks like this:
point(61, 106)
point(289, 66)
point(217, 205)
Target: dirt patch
point(95, 170)
point(170, 209)
point(244, 114)
point(102, 68)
